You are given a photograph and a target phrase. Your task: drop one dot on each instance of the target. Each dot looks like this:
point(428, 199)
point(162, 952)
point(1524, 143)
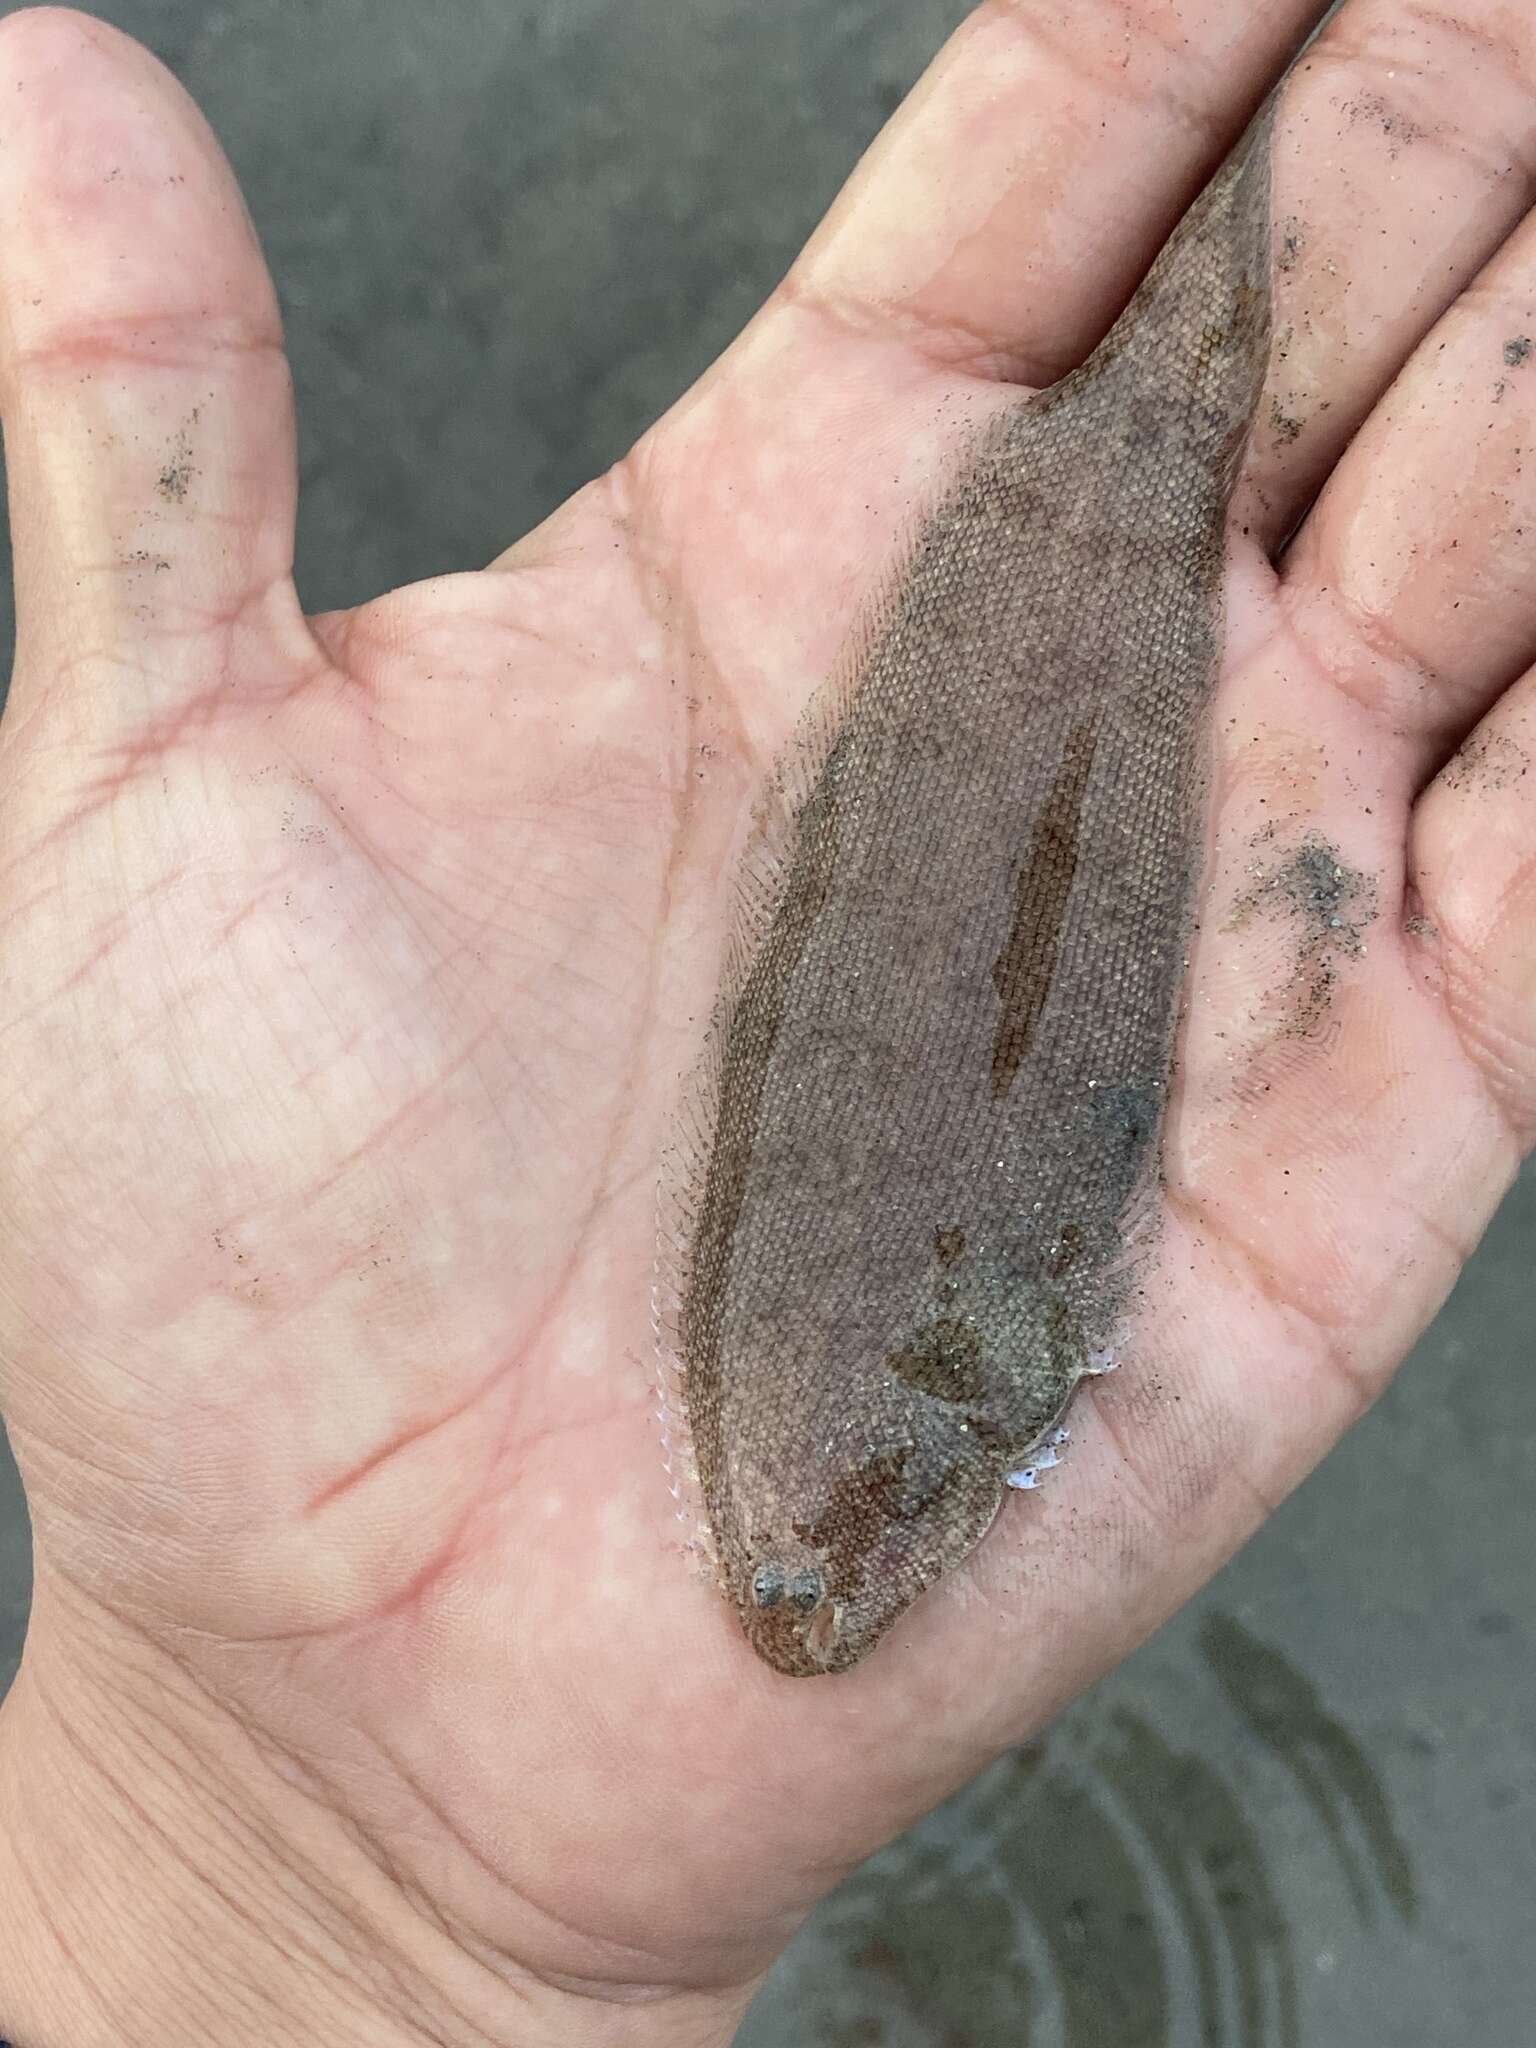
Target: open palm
point(351, 964)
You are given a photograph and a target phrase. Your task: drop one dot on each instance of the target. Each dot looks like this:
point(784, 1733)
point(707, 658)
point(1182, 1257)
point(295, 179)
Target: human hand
point(350, 966)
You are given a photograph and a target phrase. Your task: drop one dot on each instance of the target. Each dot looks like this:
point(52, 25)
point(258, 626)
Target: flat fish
point(930, 1110)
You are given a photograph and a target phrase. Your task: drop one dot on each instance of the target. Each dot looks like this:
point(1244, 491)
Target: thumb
point(145, 396)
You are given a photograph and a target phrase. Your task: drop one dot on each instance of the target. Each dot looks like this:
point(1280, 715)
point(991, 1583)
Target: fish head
point(855, 1535)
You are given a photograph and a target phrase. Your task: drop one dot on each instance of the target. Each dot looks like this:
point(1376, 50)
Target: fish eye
point(768, 1585)
point(806, 1591)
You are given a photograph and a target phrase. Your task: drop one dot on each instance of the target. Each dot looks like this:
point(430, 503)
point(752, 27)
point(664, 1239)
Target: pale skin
point(371, 1693)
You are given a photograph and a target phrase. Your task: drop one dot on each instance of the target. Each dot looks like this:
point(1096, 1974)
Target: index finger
point(1007, 212)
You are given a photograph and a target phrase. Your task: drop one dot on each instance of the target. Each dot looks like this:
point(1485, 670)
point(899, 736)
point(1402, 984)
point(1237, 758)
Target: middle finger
point(1406, 155)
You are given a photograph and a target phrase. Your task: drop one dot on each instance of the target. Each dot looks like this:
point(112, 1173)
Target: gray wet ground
point(507, 233)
